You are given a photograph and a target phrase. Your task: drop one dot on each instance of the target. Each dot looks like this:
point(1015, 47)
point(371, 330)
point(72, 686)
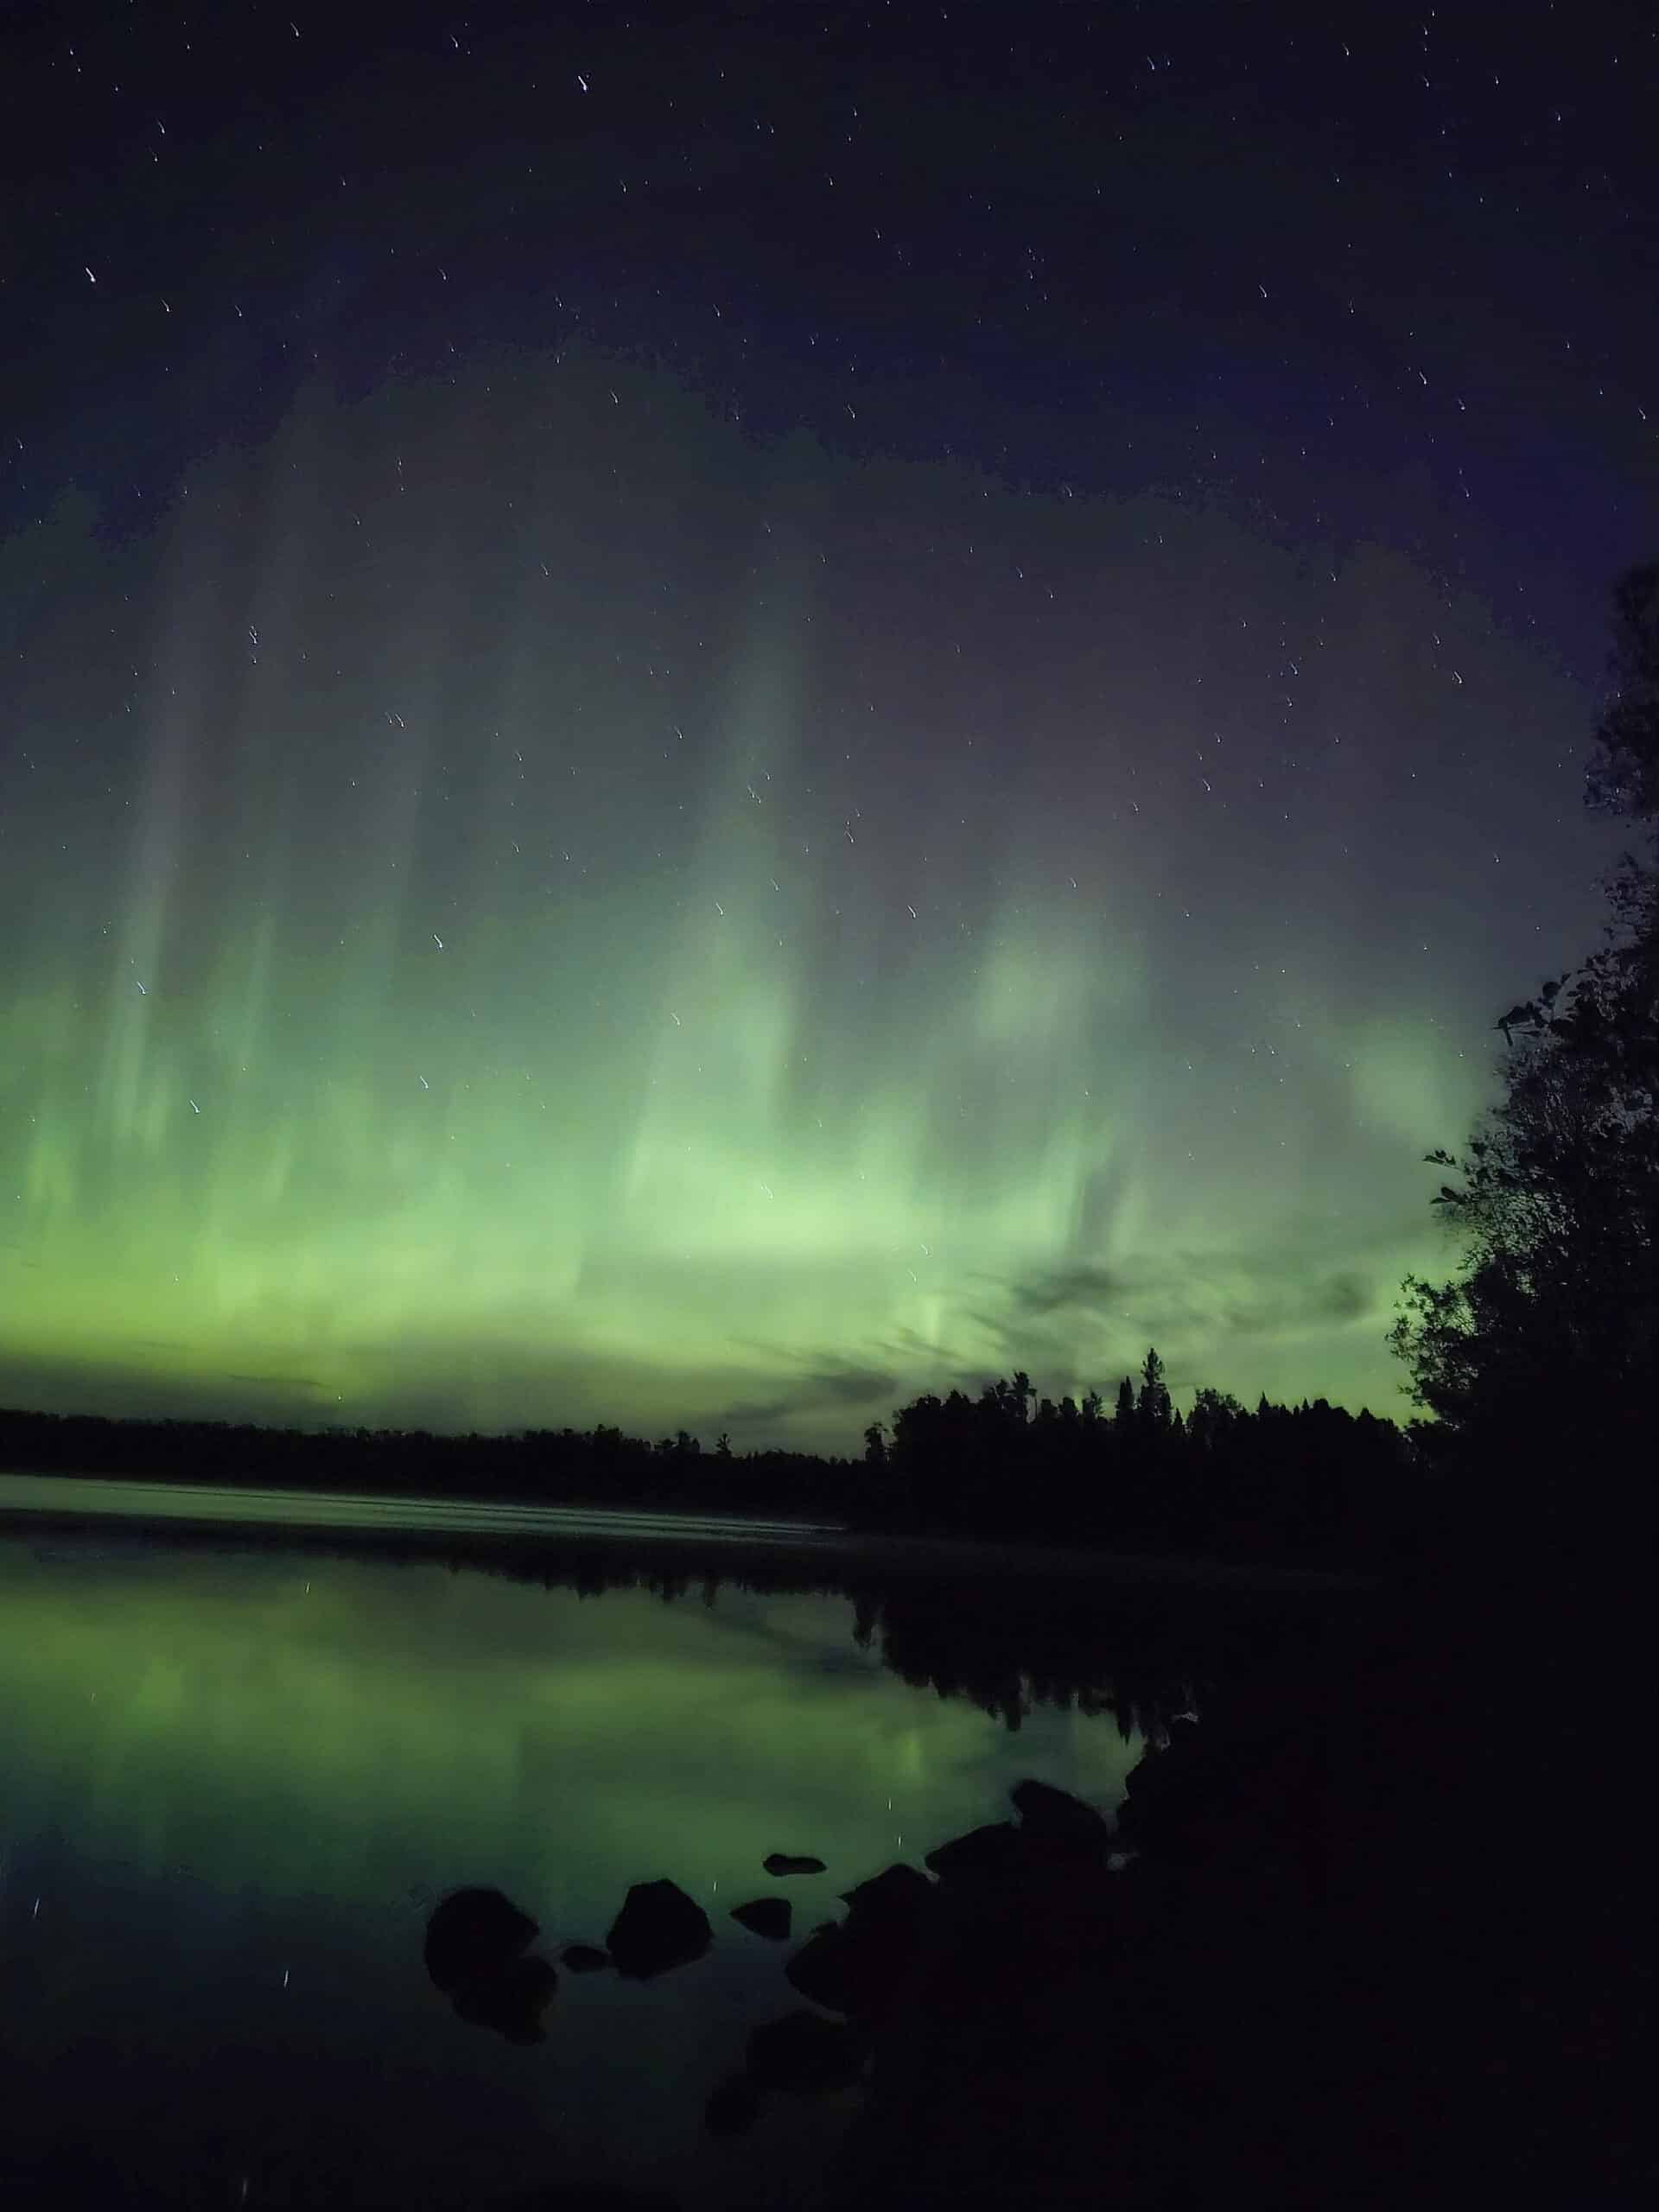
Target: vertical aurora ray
point(587, 918)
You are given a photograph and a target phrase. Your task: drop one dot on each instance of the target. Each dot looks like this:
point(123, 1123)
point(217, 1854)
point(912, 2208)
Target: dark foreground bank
point(1400, 1962)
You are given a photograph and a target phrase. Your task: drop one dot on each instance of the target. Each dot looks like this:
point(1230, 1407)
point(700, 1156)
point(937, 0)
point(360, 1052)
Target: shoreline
point(267, 1512)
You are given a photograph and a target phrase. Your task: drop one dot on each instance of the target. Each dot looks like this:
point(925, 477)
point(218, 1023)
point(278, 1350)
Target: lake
point(238, 1767)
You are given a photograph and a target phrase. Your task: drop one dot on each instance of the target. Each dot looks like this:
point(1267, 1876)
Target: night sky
point(710, 714)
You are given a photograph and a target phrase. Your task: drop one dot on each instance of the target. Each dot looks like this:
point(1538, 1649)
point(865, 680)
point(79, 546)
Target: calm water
point(232, 1782)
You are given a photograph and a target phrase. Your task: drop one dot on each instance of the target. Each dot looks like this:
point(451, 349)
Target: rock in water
point(658, 1926)
point(805, 2052)
point(823, 1969)
point(1058, 1822)
point(473, 1934)
point(1183, 1796)
point(783, 1862)
point(733, 2108)
point(993, 1854)
point(512, 2001)
point(584, 1958)
point(764, 1917)
point(858, 1966)
point(895, 1896)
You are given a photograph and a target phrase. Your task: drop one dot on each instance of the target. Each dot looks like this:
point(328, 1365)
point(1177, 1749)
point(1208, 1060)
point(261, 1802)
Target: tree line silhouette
point(1312, 1482)
point(1308, 1483)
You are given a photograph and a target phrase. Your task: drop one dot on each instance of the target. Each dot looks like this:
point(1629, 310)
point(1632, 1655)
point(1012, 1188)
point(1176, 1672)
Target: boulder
point(764, 1917)
point(1181, 1795)
point(991, 1854)
point(897, 1894)
point(732, 2108)
point(474, 1935)
point(1058, 1822)
point(783, 1862)
point(803, 2052)
point(858, 1966)
point(584, 1958)
point(512, 2001)
point(658, 1927)
point(821, 1969)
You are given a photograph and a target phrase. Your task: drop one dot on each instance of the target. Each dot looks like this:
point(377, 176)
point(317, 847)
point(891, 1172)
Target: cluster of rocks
point(479, 1954)
point(1241, 2001)
point(477, 1951)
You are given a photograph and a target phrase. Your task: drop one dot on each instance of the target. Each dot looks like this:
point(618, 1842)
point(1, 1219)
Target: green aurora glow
point(525, 907)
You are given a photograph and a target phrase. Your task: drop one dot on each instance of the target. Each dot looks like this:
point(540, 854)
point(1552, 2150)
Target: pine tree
point(1153, 1406)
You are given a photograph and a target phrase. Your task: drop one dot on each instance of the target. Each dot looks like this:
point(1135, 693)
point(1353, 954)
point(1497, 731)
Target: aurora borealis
point(572, 865)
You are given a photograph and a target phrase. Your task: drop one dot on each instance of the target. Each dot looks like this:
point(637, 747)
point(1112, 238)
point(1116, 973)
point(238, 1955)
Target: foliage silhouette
point(1307, 1484)
point(1539, 1355)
